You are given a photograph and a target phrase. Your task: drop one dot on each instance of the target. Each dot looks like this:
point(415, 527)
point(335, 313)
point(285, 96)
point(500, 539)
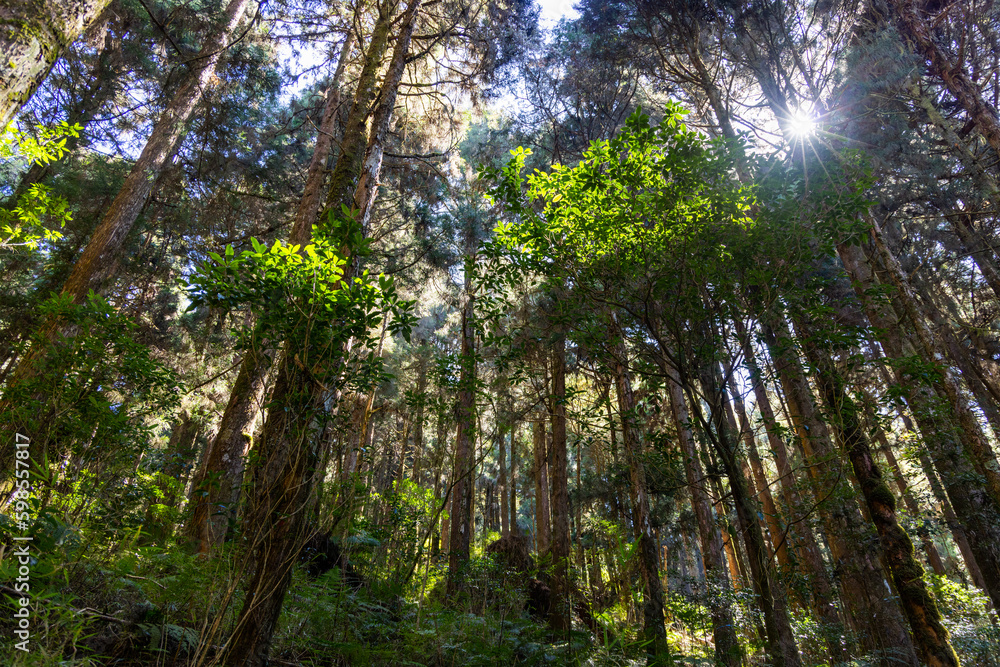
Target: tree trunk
point(779, 640)
point(727, 647)
point(941, 496)
point(513, 479)
point(281, 528)
point(652, 592)
point(312, 193)
point(92, 268)
point(855, 551)
point(929, 635)
point(364, 196)
point(502, 483)
point(928, 344)
point(275, 526)
point(232, 442)
point(212, 498)
point(764, 496)
point(418, 421)
point(347, 171)
point(33, 34)
point(956, 79)
point(542, 530)
point(102, 87)
point(933, 557)
point(559, 617)
point(975, 506)
point(812, 557)
point(464, 487)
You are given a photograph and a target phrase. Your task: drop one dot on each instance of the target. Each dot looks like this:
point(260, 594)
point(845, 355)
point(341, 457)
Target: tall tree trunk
point(231, 444)
point(929, 634)
point(941, 496)
point(502, 483)
point(855, 553)
point(809, 551)
point(462, 505)
point(764, 496)
point(953, 74)
point(99, 257)
point(326, 136)
point(289, 445)
point(212, 497)
point(92, 268)
point(974, 505)
point(418, 420)
point(727, 647)
point(559, 617)
point(513, 479)
point(931, 349)
point(33, 34)
point(652, 588)
point(350, 163)
point(282, 484)
point(543, 532)
point(981, 252)
point(779, 640)
point(364, 196)
point(933, 557)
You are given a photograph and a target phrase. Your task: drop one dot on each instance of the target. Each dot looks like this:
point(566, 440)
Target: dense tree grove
point(428, 332)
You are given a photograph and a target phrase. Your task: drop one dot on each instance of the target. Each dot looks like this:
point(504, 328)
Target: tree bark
point(764, 496)
point(727, 647)
point(364, 196)
point(232, 442)
point(513, 479)
point(809, 551)
point(933, 557)
point(312, 193)
point(214, 495)
point(502, 482)
point(275, 525)
point(854, 548)
point(104, 84)
point(779, 640)
point(289, 451)
point(931, 349)
point(463, 490)
point(954, 76)
point(33, 34)
point(559, 617)
point(543, 531)
point(93, 266)
point(652, 606)
point(974, 505)
point(347, 171)
point(928, 632)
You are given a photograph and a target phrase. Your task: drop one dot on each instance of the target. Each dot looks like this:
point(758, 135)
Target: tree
point(33, 37)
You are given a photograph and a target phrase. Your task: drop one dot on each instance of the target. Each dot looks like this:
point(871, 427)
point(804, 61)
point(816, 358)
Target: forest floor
point(132, 603)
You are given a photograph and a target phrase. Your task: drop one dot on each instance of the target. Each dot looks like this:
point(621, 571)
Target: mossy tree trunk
point(33, 34)
point(928, 632)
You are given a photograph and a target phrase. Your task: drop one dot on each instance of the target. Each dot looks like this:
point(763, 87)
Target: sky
point(553, 10)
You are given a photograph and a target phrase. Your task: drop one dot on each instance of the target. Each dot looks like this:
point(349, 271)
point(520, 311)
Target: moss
point(878, 493)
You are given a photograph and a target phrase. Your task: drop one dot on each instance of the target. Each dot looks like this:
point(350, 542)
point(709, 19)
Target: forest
point(499, 332)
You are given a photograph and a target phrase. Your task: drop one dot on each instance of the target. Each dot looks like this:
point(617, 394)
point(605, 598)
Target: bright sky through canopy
point(553, 10)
